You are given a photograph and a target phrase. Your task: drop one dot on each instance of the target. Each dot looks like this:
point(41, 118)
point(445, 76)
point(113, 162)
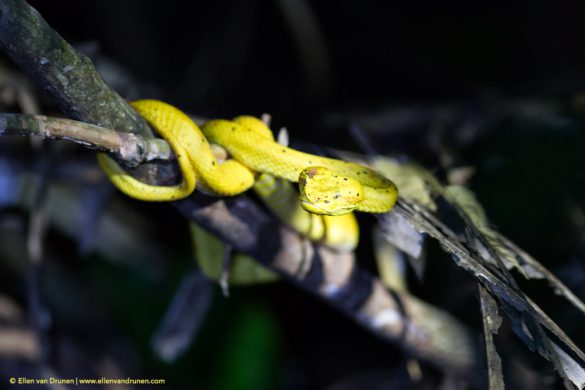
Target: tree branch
point(71, 80)
point(67, 76)
point(131, 148)
point(399, 317)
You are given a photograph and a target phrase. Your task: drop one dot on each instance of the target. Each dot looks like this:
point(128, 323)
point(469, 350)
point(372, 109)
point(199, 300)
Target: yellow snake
point(327, 186)
point(330, 187)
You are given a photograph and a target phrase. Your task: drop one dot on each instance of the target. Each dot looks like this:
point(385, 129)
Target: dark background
point(399, 69)
point(376, 52)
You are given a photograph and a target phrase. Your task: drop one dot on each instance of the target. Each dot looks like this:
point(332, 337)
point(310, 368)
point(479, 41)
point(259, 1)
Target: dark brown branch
point(396, 316)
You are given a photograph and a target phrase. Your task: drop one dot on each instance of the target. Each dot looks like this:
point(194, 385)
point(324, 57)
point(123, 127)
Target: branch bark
point(131, 148)
point(418, 327)
point(71, 80)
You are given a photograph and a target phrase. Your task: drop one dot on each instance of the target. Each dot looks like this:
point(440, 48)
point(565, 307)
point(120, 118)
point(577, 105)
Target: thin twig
point(131, 148)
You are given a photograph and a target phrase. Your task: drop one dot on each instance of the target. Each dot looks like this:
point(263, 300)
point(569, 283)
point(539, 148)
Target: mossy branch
point(67, 76)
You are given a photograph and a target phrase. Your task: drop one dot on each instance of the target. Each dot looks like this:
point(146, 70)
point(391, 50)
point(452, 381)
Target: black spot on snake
point(311, 172)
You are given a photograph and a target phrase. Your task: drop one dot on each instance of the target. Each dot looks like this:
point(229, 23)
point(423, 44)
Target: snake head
point(323, 191)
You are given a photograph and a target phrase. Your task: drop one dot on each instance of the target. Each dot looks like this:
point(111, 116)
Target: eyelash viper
point(327, 186)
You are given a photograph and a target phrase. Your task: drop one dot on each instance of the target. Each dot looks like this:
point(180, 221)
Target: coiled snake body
point(327, 186)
